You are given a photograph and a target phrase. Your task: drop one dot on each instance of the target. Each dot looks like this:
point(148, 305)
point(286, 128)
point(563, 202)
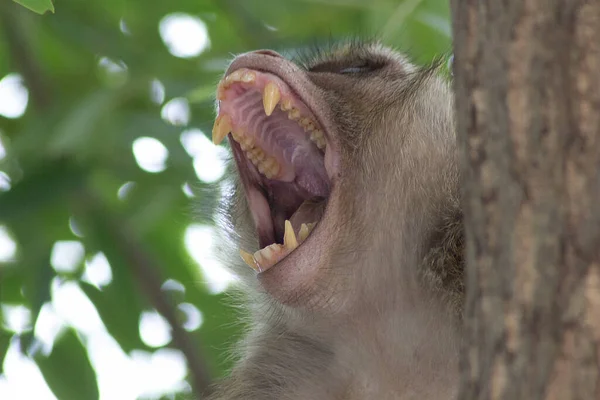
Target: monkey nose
point(268, 53)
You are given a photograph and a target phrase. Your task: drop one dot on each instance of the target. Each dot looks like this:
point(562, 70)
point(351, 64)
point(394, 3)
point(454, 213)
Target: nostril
point(269, 53)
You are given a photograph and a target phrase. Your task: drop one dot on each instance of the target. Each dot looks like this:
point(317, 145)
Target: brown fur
point(381, 321)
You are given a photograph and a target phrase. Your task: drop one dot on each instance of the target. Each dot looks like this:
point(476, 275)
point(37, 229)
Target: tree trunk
point(527, 77)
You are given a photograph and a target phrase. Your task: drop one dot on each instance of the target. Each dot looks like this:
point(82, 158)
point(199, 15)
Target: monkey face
point(339, 162)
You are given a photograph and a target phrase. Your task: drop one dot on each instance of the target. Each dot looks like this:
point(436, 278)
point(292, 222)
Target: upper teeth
point(286, 104)
point(271, 97)
point(268, 166)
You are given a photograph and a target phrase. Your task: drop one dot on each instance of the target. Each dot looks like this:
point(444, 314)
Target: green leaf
point(34, 265)
point(37, 200)
point(78, 127)
point(4, 343)
point(68, 370)
point(38, 6)
point(46, 187)
point(12, 281)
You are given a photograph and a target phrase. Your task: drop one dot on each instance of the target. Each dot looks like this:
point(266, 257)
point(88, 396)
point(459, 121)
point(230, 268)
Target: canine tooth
point(250, 260)
point(294, 114)
point(271, 96)
point(248, 77)
point(289, 237)
point(221, 128)
point(286, 105)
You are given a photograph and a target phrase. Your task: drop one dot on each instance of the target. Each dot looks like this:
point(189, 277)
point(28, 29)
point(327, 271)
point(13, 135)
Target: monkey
point(344, 225)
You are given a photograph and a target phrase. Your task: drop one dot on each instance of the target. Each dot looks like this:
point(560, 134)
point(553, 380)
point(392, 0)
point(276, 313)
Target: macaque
point(344, 226)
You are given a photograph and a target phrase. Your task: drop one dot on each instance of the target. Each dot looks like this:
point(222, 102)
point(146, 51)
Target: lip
point(299, 83)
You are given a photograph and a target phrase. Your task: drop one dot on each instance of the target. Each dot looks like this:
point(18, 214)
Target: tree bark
point(527, 78)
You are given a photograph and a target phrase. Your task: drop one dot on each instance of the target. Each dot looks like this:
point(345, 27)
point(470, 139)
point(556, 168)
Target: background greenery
point(89, 67)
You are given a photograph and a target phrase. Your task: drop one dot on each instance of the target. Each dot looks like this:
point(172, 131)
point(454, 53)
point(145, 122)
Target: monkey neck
point(396, 347)
point(383, 355)
point(412, 357)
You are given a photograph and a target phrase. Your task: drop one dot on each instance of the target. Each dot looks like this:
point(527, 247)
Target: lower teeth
point(265, 258)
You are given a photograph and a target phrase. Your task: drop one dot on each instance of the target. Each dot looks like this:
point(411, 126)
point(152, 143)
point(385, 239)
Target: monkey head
point(346, 208)
point(347, 170)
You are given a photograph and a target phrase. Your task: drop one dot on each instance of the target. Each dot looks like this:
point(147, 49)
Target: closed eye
point(355, 70)
point(360, 67)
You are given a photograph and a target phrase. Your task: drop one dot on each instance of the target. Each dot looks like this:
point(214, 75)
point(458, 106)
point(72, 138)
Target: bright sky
point(121, 376)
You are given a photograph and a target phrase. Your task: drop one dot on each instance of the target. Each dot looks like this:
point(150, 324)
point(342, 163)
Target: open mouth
point(279, 148)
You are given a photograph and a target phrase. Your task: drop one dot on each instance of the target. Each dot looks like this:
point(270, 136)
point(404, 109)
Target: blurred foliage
point(39, 6)
point(89, 68)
